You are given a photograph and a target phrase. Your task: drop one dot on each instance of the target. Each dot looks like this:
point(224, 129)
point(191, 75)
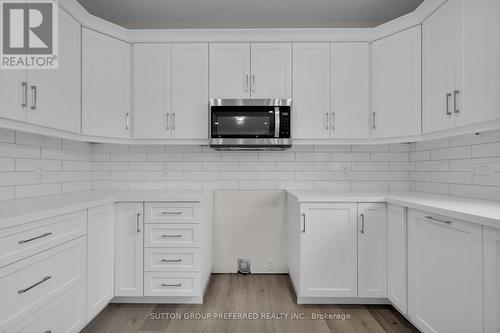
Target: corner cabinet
point(105, 86)
point(445, 273)
point(396, 85)
point(491, 252)
point(129, 247)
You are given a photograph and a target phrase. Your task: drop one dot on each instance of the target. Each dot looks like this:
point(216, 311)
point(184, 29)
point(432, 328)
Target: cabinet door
point(129, 243)
point(479, 42)
point(230, 70)
point(372, 250)
point(328, 250)
point(445, 286)
point(396, 257)
point(491, 280)
point(439, 61)
point(190, 91)
point(271, 70)
point(13, 94)
point(152, 91)
point(396, 84)
point(105, 86)
point(311, 91)
point(350, 97)
point(57, 103)
point(100, 258)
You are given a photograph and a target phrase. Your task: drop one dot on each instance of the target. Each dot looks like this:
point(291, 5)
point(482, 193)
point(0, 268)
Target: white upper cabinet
point(440, 68)
point(152, 93)
point(105, 86)
point(230, 70)
point(311, 91)
point(13, 94)
point(190, 91)
point(350, 91)
point(372, 250)
point(271, 68)
point(491, 260)
point(396, 85)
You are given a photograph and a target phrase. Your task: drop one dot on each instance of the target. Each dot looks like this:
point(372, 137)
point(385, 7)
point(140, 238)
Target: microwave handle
point(276, 122)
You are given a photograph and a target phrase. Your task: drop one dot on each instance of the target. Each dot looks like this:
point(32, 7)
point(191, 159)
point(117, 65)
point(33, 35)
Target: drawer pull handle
point(34, 238)
point(171, 236)
point(171, 213)
point(171, 260)
point(437, 220)
point(171, 284)
point(22, 291)
point(48, 331)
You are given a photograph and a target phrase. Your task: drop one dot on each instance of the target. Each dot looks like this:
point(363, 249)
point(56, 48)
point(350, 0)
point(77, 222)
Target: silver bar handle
point(33, 98)
point(171, 213)
point(326, 120)
point(173, 121)
point(24, 103)
point(333, 120)
point(138, 222)
point(362, 223)
point(48, 331)
point(455, 101)
point(171, 260)
point(374, 118)
point(303, 223)
point(127, 121)
point(168, 120)
point(437, 220)
point(448, 96)
point(247, 82)
point(171, 284)
point(253, 82)
point(22, 291)
point(171, 236)
point(23, 241)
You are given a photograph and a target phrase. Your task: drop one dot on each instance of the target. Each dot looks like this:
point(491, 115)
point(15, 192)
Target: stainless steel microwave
point(250, 124)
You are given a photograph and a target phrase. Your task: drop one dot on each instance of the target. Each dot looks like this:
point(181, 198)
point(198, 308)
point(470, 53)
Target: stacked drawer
point(172, 249)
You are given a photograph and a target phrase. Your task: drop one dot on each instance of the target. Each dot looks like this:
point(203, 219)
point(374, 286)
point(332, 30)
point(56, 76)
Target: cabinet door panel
point(271, 70)
point(350, 90)
point(396, 257)
point(445, 287)
point(58, 91)
point(372, 250)
point(396, 84)
point(105, 86)
point(190, 91)
point(439, 35)
point(152, 91)
point(12, 94)
point(230, 70)
point(129, 243)
point(311, 91)
point(328, 251)
point(491, 280)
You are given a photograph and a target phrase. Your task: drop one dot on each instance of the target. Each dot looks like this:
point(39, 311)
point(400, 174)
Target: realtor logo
point(29, 34)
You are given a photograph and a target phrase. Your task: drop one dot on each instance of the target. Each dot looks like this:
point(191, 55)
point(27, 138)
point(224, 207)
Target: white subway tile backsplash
point(29, 164)
point(332, 185)
point(370, 148)
point(202, 175)
point(317, 156)
point(7, 164)
point(309, 165)
point(259, 166)
point(370, 166)
point(276, 175)
point(7, 192)
point(258, 185)
point(486, 150)
point(19, 151)
point(451, 153)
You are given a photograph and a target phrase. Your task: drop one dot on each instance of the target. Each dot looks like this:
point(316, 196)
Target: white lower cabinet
point(100, 258)
point(129, 246)
point(445, 276)
point(372, 250)
point(491, 261)
point(396, 257)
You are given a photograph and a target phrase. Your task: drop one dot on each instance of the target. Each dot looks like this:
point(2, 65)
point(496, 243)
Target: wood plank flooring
point(231, 293)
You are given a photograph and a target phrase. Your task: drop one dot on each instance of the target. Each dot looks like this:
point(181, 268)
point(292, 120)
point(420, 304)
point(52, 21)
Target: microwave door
point(241, 124)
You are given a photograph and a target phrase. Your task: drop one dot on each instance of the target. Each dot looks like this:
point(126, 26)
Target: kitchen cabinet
point(48, 98)
point(152, 77)
point(129, 248)
point(396, 85)
point(100, 258)
point(372, 250)
point(311, 91)
point(257, 70)
point(350, 91)
point(396, 257)
point(445, 273)
point(491, 264)
point(105, 86)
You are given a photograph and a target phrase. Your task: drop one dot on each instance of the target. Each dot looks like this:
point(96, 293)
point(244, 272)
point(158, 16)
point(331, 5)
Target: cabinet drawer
point(172, 212)
point(172, 284)
point(30, 283)
point(172, 235)
point(66, 314)
point(171, 259)
point(22, 241)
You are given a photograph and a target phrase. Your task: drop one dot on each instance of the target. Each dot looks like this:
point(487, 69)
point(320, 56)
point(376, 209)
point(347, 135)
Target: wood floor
point(231, 293)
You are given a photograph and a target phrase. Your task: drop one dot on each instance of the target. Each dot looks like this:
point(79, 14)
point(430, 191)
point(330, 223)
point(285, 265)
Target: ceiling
point(233, 14)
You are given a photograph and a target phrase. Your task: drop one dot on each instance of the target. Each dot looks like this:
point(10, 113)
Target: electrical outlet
point(483, 171)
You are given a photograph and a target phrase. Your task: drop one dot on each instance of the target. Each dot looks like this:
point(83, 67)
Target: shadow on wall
point(250, 225)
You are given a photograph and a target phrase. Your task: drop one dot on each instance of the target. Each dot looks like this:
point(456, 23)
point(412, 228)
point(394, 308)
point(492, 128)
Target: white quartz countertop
point(477, 211)
point(15, 212)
